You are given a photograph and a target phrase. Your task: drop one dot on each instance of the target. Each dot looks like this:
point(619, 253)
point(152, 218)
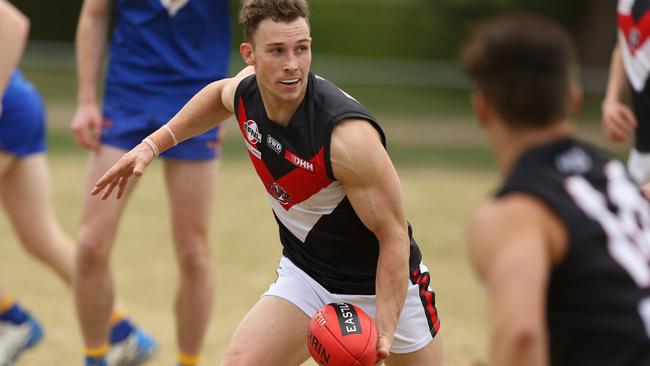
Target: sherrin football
point(341, 334)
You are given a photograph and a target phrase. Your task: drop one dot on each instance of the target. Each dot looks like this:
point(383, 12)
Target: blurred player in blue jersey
point(161, 53)
point(25, 185)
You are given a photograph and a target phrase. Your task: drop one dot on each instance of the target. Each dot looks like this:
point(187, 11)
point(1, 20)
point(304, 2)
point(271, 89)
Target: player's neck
point(279, 111)
point(510, 144)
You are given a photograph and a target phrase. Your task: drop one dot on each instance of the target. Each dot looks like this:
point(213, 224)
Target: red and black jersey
point(633, 33)
point(319, 230)
point(598, 305)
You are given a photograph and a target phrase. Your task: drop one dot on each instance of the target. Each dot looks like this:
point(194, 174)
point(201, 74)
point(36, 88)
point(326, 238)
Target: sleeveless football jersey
point(633, 32)
point(164, 51)
point(599, 296)
point(319, 230)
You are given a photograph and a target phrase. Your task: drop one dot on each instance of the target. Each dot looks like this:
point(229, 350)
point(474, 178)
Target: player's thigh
point(6, 161)
point(26, 191)
point(273, 333)
point(99, 217)
point(191, 186)
point(430, 355)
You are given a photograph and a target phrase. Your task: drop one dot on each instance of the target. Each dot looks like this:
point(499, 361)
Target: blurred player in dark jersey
point(562, 247)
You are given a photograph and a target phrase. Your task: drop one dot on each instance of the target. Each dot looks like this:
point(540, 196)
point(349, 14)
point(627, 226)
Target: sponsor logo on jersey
point(348, 319)
point(253, 150)
point(252, 133)
point(298, 161)
point(277, 192)
point(274, 144)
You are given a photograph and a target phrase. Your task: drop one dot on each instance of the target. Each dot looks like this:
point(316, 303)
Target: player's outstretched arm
point(208, 108)
point(619, 122)
point(513, 242)
point(14, 27)
point(371, 183)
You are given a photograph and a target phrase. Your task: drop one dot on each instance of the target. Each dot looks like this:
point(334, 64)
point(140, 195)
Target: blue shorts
point(22, 122)
point(128, 126)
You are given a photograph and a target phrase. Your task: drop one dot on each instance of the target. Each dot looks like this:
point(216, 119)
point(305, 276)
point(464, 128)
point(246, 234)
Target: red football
point(341, 334)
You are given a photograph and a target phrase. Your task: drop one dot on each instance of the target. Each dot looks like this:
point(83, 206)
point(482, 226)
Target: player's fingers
point(628, 117)
point(80, 137)
point(122, 186)
point(107, 178)
point(618, 133)
point(111, 187)
point(95, 132)
point(383, 347)
point(139, 168)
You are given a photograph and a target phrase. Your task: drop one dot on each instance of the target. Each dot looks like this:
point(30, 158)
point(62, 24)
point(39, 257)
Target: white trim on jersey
point(637, 66)
point(302, 217)
point(625, 6)
point(173, 6)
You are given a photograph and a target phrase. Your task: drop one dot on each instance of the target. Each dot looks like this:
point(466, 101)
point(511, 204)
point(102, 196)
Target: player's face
point(282, 58)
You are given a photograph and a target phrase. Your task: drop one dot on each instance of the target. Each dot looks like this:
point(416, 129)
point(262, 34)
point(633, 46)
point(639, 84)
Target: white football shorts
point(418, 323)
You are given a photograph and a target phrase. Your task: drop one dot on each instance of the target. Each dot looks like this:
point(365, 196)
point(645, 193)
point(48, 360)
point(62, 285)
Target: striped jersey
point(319, 230)
point(633, 32)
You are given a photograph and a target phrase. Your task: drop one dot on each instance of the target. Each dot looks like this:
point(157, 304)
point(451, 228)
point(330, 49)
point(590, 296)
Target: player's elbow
point(21, 24)
point(525, 338)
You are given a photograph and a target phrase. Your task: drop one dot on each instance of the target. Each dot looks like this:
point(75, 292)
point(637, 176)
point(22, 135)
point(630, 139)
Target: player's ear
point(247, 53)
point(481, 107)
point(576, 96)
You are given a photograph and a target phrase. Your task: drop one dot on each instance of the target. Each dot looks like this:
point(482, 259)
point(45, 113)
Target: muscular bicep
point(513, 242)
point(369, 179)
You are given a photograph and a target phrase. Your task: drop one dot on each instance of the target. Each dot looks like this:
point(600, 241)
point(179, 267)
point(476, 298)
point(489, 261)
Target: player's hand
point(131, 163)
point(383, 347)
point(619, 121)
point(87, 125)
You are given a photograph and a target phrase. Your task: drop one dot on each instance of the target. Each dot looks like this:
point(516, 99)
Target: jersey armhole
point(328, 136)
point(243, 84)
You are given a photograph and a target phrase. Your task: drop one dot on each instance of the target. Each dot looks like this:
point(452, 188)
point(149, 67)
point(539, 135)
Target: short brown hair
point(253, 12)
point(524, 65)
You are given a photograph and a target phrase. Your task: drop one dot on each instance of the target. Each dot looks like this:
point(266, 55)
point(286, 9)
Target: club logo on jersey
point(277, 192)
point(574, 161)
point(348, 319)
point(252, 133)
point(298, 161)
point(173, 6)
point(274, 144)
point(634, 38)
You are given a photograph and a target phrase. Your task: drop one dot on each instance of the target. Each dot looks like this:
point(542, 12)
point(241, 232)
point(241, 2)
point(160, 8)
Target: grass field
point(446, 171)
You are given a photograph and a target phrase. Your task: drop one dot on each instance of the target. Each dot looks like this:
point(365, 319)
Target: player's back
point(599, 295)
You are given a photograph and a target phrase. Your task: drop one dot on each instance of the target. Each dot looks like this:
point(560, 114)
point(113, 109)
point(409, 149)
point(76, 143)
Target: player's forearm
point(203, 112)
point(14, 27)
point(392, 283)
point(617, 84)
point(91, 42)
